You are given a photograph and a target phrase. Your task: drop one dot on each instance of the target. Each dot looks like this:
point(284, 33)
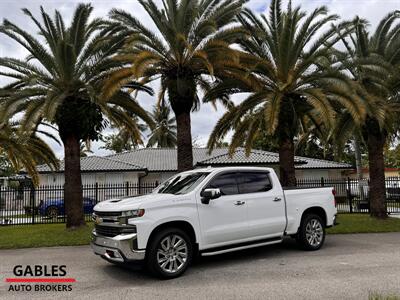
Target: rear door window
point(254, 182)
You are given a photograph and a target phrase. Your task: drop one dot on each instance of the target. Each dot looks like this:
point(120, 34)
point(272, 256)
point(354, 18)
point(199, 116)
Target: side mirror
point(268, 187)
point(209, 194)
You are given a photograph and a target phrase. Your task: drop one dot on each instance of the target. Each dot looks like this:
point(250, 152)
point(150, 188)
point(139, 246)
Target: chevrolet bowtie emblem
point(98, 220)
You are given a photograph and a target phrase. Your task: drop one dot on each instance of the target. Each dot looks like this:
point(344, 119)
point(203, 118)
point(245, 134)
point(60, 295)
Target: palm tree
point(164, 132)
point(125, 139)
point(191, 46)
point(85, 149)
point(292, 83)
point(60, 82)
point(374, 63)
point(25, 150)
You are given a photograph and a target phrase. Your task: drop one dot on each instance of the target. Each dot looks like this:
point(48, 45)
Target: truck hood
point(129, 203)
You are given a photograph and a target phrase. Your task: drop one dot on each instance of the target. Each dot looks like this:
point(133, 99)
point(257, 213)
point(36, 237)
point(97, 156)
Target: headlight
point(133, 213)
point(129, 214)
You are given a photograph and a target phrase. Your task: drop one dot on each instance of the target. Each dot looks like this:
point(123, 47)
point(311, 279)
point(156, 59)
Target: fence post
point(96, 189)
point(350, 198)
point(127, 188)
point(32, 200)
point(62, 190)
point(322, 181)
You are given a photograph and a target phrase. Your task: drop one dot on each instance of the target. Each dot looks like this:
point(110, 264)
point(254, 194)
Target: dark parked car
point(55, 207)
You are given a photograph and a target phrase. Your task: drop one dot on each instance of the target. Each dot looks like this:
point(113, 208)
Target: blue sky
point(204, 120)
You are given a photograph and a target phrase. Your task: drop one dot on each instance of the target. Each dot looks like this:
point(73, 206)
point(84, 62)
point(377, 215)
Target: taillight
point(334, 196)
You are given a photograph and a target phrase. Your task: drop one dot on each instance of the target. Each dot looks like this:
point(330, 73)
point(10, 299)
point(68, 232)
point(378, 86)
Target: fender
point(143, 240)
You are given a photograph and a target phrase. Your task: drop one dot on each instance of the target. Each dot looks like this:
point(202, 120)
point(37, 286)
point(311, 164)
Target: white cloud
point(204, 120)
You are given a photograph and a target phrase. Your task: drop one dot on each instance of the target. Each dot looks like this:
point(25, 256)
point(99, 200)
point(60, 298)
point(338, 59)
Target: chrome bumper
point(121, 248)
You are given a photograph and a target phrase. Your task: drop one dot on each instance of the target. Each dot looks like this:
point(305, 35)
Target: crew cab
point(208, 212)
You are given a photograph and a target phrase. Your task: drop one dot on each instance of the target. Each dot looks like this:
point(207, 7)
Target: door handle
point(239, 202)
point(277, 199)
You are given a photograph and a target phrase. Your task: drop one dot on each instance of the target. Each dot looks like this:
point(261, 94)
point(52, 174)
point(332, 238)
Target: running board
point(216, 251)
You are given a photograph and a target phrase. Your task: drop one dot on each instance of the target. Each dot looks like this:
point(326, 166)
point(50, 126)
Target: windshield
point(181, 183)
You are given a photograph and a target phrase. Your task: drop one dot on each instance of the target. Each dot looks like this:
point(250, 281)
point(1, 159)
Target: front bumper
point(121, 248)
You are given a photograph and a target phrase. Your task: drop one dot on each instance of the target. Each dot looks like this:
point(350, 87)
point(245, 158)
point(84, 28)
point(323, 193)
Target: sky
point(204, 120)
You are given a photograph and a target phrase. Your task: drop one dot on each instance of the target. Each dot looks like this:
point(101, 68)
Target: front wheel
point(311, 235)
point(169, 253)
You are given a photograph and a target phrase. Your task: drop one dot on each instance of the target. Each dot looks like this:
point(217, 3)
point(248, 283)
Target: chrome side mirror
point(209, 194)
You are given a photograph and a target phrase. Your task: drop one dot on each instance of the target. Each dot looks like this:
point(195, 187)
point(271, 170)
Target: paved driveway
point(348, 267)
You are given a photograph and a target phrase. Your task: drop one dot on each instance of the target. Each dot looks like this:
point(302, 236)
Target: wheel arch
point(316, 210)
point(181, 224)
point(52, 206)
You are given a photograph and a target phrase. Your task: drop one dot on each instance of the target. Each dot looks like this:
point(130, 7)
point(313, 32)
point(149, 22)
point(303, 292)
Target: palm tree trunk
point(377, 190)
point(184, 141)
point(360, 176)
point(73, 200)
point(286, 162)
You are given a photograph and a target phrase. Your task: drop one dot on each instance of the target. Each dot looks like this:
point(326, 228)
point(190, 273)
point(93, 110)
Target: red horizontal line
point(48, 280)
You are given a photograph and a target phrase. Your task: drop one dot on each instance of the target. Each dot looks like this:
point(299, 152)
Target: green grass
point(43, 235)
point(48, 235)
point(363, 223)
point(377, 296)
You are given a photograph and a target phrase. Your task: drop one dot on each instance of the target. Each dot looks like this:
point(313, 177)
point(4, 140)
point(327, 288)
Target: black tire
point(52, 212)
point(156, 252)
point(311, 237)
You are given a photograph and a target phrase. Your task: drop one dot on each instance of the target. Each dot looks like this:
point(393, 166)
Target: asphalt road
point(348, 267)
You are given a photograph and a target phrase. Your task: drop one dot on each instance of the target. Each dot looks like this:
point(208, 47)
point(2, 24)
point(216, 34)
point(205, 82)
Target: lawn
point(363, 223)
point(43, 235)
point(48, 235)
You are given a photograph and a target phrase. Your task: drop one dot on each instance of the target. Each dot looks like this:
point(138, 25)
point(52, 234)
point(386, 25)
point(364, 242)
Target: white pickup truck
point(208, 212)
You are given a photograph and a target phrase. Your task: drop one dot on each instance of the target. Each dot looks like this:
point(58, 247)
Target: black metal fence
point(45, 204)
point(352, 195)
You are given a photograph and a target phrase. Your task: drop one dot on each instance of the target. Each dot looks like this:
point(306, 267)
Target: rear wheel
point(169, 253)
point(311, 235)
point(52, 212)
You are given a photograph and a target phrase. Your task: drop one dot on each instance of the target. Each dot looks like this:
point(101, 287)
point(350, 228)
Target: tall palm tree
point(191, 46)
point(25, 150)
point(60, 82)
point(125, 139)
point(85, 149)
point(292, 83)
point(373, 60)
point(164, 132)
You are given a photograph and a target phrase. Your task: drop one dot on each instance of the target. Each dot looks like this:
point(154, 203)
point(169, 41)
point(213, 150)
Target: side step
point(237, 247)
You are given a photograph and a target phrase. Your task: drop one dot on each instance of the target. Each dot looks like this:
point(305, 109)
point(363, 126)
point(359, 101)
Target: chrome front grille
point(106, 217)
point(114, 230)
point(111, 224)
point(108, 213)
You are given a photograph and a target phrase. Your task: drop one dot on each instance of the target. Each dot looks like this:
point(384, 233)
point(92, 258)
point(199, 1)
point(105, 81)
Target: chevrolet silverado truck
point(208, 212)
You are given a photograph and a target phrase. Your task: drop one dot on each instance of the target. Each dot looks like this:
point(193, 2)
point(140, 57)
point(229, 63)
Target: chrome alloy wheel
point(314, 232)
point(172, 253)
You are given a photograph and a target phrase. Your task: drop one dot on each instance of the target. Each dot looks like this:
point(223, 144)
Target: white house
point(150, 165)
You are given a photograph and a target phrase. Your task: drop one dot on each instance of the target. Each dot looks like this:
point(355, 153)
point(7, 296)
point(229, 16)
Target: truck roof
point(233, 168)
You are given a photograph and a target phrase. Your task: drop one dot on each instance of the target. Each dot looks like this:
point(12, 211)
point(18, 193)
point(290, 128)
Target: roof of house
point(164, 160)
point(315, 163)
point(97, 164)
point(240, 157)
